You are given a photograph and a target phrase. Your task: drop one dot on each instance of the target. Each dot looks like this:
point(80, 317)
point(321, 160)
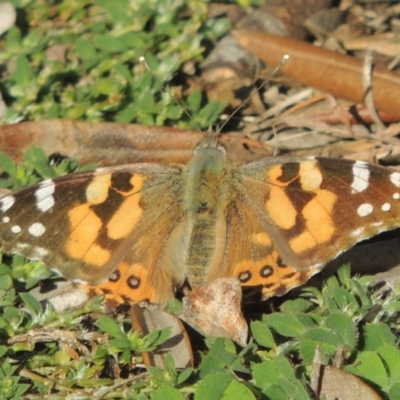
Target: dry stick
point(369, 97)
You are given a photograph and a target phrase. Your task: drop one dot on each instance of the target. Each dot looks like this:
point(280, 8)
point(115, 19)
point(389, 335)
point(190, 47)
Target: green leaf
point(213, 386)
point(368, 365)
point(23, 74)
point(36, 158)
point(6, 281)
point(6, 327)
point(277, 376)
point(169, 367)
point(275, 392)
point(165, 392)
point(184, 375)
point(85, 49)
point(344, 275)
point(174, 113)
point(237, 391)
point(31, 303)
point(14, 316)
point(108, 325)
point(110, 44)
point(296, 306)
point(266, 374)
point(392, 308)
point(8, 165)
point(157, 337)
point(343, 326)
point(222, 353)
point(327, 340)
point(391, 359)
point(269, 372)
point(394, 391)
point(339, 299)
point(286, 325)
point(120, 343)
point(194, 100)
point(377, 335)
point(262, 334)
point(209, 114)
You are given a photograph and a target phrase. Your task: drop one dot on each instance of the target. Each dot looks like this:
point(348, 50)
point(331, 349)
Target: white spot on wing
point(35, 252)
point(44, 195)
point(395, 178)
point(21, 246)
point(386, 207)
point(39, 252)
point(6, 220)
point(6, 203)
point(365, 209)
point(16, 229)
point(361, 174)
point(358, 232)
point(37, 229)
point(396, 196)
point(76, 281)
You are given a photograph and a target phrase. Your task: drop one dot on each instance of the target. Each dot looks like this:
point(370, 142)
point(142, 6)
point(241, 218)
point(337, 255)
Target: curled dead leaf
point(214, 309)
point(112, 144)
point(325, 70)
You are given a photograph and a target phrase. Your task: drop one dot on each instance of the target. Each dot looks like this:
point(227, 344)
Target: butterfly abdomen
point(206, 211)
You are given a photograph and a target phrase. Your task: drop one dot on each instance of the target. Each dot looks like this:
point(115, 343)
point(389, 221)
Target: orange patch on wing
point(85, 226)
point(280, 208)
point(255, 268)
point(132, 286)
point(262, 239)
point(274, 174)
point(288, 280)
point(310, 176)
point(129, 212)
point(319, 226)
point(274, 280)
point(97, 190)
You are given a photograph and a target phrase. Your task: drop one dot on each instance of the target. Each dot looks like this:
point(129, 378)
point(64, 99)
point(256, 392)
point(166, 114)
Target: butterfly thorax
point(206, 208)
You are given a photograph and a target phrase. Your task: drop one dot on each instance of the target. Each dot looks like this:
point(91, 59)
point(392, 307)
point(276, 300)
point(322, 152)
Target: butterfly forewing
point(85, 225)
point(316, 208)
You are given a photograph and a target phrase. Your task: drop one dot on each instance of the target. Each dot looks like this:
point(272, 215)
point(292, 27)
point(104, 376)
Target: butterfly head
point(210, 146)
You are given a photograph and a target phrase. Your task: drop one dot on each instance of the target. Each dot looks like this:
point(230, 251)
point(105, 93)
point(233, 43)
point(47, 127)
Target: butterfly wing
point(302, 213)
point(94, 225)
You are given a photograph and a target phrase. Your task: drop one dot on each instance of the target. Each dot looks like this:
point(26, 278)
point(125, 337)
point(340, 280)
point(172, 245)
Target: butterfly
point(139, 232)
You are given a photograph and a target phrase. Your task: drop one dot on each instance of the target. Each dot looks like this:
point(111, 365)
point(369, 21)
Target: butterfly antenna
point(167, 90)
point(283, 61)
